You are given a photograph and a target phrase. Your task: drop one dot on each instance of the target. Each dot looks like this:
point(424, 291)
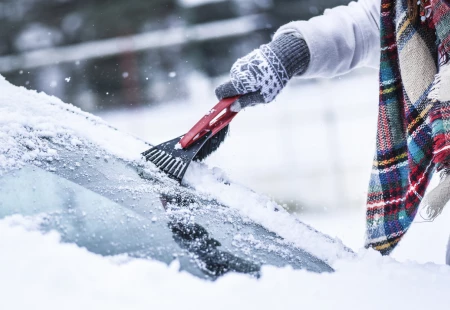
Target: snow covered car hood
point(40, 135)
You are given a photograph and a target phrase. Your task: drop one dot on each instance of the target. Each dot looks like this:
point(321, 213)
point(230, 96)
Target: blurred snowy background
point(150, 68)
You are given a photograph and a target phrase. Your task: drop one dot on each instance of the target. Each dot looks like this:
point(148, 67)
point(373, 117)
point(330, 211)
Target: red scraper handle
point(219, 116)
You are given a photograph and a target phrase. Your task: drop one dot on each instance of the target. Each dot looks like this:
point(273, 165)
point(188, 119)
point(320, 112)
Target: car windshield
point(107, 206)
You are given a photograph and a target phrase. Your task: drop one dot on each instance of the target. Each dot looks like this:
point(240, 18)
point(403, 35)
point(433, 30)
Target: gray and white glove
point(261, 75)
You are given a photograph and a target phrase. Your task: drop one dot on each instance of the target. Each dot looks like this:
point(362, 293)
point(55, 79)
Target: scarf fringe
point(440, 91)
point(434, 202)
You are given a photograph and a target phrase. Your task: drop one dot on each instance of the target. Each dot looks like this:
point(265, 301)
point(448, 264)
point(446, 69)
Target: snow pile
point(40, 272)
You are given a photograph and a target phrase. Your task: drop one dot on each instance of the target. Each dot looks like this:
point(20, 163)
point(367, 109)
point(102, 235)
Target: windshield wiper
point(197, 241)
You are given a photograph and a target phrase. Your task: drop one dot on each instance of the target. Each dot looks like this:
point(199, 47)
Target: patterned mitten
point(261, 75)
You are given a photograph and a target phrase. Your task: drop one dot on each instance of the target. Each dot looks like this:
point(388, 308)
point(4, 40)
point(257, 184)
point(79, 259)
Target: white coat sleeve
point(342, 39)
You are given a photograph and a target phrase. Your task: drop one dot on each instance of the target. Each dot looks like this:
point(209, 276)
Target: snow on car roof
point(26, 117)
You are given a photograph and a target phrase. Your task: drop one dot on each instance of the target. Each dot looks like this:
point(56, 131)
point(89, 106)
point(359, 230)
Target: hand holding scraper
point(173, 157)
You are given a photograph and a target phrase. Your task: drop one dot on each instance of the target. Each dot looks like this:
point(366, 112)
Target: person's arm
point(342, 39)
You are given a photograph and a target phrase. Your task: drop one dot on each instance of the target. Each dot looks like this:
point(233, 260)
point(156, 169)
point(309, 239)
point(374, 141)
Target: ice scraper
point(173, 157)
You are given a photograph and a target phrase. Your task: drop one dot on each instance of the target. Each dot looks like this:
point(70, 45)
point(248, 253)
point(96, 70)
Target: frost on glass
point(110, 207)
point(78, 214)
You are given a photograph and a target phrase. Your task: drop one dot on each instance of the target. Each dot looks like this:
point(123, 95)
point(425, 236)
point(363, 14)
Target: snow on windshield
point(263, 210)
point(27, 117)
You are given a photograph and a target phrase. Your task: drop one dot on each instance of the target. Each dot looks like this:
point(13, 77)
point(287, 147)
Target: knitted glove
point(261, 75)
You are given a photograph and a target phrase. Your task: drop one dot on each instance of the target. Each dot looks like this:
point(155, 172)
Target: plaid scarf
point(413, 134)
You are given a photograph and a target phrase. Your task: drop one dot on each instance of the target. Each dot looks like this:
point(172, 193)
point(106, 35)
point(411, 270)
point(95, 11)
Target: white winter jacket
point(344, 38)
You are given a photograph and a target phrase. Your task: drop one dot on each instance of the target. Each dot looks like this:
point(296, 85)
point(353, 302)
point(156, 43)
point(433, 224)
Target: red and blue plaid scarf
point(413, 136)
